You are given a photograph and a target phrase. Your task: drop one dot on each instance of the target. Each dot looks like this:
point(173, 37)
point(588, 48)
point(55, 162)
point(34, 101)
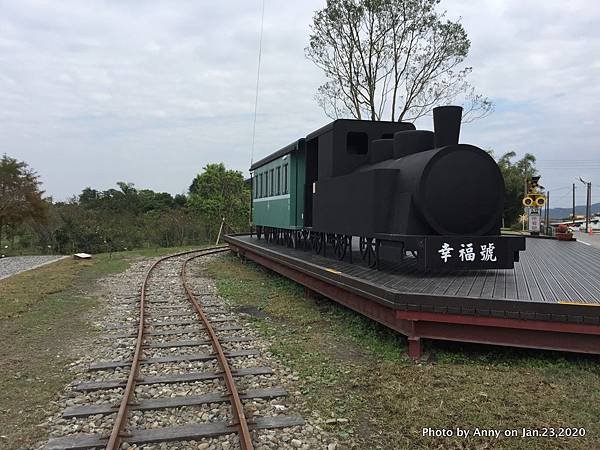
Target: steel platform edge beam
point(418, 325)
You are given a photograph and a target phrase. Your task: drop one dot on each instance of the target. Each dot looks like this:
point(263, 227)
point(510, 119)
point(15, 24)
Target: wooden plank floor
point(549, 271)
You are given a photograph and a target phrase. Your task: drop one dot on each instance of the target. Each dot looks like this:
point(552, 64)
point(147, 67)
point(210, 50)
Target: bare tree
point(391, 59)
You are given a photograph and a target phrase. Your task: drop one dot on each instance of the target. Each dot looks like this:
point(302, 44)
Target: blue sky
point(96, 92)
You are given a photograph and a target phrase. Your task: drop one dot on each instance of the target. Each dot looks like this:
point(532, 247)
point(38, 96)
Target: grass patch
point(352, 368)
point(42, 314)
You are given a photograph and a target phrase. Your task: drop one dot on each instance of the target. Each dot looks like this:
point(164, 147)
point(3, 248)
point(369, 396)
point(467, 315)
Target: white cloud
point(96, 92)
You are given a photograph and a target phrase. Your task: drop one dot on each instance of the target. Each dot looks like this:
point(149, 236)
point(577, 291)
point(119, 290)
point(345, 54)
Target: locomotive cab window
point(357, 143)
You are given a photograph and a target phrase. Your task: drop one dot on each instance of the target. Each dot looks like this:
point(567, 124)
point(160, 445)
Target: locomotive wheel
point(305, 239)
point(369, 251)
point(330, 239)
point(340, 246)
point(362, 247)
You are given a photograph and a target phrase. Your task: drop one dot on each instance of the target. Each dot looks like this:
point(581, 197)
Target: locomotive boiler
point(388, 190)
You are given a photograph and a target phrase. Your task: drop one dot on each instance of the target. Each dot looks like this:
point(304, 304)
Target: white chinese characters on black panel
point(467, 253)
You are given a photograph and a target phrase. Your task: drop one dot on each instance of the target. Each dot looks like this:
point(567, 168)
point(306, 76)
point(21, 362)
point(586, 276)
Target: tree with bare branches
point(391, 60)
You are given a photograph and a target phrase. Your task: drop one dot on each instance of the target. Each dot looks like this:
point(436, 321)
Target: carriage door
point(312, 171)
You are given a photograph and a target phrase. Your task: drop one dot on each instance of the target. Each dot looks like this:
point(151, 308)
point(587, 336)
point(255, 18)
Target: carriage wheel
point(258, 232)
point(317, 241)
point(296, 236)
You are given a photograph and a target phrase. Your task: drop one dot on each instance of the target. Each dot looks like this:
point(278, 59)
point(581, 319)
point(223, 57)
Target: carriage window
point(254, 187)
point(357, 143)
point(267, 183)
point(260, 185)
point(272, 182)
point(278, 180)
point(285, 178)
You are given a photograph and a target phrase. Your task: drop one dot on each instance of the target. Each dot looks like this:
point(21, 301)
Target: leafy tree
point(218, 193)
point(395, 59)
point(20, 194)
point(89, 198)
point(180, 200)
point(515, 175)
point(126, 217)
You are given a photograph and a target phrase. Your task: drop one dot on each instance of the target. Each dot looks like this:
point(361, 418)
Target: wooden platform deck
point(550, 300)
point(548, 271)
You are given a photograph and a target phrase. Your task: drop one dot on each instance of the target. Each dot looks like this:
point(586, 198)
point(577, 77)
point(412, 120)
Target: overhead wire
point(262, 21)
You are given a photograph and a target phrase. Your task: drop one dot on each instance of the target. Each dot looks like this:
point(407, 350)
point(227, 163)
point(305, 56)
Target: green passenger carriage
point(278, 184)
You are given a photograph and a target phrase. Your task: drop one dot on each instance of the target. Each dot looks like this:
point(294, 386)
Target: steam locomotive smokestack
point(446, 125)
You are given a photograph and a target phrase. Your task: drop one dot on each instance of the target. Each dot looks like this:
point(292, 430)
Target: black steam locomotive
point(389, 190)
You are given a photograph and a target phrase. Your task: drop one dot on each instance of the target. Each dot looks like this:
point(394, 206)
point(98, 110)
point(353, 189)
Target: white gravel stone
point(13, 265)
point(119, 293)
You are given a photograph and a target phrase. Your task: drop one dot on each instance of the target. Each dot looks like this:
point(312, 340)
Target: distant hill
point(563, 213)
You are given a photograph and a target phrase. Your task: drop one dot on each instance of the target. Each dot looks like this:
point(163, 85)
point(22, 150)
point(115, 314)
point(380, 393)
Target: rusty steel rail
point(239, 417)
point(117, 433)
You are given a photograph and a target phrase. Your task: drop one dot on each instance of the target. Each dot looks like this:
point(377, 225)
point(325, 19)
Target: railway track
point(169, 333)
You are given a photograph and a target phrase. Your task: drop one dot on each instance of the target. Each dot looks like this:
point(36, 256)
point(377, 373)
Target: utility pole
point(547, 219)
point(588, 203)
point(573, 215)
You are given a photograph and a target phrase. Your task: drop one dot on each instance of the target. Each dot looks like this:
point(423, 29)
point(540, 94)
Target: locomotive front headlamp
point(527, 201)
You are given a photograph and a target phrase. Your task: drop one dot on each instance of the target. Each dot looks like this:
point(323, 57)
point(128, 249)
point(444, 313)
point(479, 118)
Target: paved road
point(17, 264)
point(593, 240)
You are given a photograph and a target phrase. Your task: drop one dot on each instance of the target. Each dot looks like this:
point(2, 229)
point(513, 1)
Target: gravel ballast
point(119, 293)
